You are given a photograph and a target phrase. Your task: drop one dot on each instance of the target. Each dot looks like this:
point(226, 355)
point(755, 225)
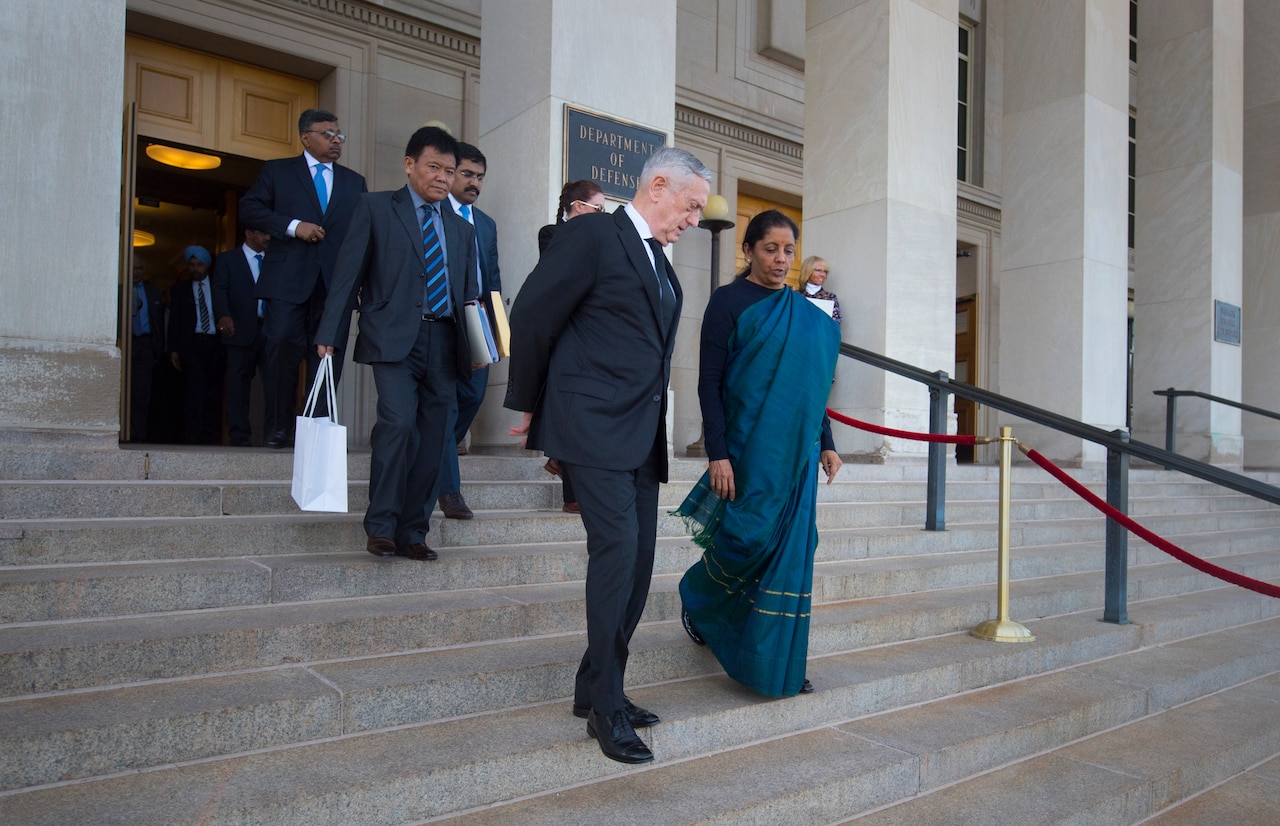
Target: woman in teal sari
point(767, 360)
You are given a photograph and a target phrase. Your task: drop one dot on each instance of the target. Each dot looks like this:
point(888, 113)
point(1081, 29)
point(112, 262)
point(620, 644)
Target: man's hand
point(175, 361)
point(721, 472)
point(323, 350)
point(831, 464)
point(522, 429)
point(308, 231)
point(227, 325)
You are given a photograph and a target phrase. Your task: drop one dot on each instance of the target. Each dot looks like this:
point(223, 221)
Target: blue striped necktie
point(437, 289)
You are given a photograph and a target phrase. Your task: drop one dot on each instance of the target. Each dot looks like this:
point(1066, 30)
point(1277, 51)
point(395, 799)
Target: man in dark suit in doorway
point(592, 332)
point(305, 203)
point(467, 182)
point(146, 325)
point(413, 266)
point(240, 320)
point(195, 352)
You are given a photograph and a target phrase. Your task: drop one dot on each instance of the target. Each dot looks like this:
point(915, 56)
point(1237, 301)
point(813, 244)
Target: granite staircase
point(178, 644)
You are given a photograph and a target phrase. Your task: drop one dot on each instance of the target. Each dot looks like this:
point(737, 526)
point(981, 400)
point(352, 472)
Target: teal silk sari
point(749, 595)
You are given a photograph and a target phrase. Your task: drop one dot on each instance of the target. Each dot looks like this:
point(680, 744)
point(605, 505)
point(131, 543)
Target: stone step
point(56, 592)
point(63, 499)
point(429, 770)
point(846, 768)
point(1247, 798)
point(1126, 775)
point(45, 657)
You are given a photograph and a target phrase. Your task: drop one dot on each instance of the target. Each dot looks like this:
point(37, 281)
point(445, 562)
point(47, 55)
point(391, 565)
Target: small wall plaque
point(1226, 323)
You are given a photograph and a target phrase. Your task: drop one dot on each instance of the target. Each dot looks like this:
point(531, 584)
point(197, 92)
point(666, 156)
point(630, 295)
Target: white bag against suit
point(320, 451)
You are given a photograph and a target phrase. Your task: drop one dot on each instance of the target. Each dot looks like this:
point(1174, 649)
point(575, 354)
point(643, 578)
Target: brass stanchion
point(1003, 629)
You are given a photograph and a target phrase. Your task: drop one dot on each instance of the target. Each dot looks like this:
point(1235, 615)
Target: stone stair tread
point(1248, 799)
point(429, 770)
point(1120, 776)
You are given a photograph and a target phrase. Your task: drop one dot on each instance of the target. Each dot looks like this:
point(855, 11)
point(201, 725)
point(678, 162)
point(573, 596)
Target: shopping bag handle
point(324, 377)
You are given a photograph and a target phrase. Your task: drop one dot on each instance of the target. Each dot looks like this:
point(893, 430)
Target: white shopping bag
point(320, 451)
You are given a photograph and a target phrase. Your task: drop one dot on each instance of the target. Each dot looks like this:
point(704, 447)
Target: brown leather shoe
point(418, 551)
point(553, 467)
point(453, 506)
point(381, 546)
point(570, 507)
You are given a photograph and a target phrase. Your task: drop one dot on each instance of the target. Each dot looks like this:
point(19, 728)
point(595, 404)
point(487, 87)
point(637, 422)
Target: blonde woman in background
point(813, 279)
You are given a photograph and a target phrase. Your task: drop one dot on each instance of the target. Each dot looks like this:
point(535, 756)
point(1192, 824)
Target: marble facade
point(850, 116)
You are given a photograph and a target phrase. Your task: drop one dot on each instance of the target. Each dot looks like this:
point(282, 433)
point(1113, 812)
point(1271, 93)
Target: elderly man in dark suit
point(194, 350)
point(305, 202)
point(240, 319)
point(413, 266)
point(146, 325)
point(467, 183)
point(592, 332)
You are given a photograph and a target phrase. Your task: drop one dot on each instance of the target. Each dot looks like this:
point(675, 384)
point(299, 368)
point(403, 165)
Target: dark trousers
point(243, 362)
point(414, 399)
point(469, 397)
point(142, 366)
point(290, 332)
point(620, 513)
point(202, 366)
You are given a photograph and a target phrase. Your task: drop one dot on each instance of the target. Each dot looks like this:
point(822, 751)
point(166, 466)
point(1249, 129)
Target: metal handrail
point(1119, 451)
point(1171, 411)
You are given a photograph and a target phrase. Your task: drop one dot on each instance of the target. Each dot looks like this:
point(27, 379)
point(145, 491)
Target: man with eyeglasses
point(305, 203)
point(467, 183)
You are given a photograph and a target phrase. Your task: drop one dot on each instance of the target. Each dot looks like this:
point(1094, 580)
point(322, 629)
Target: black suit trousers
point(243, 362)
point(290, 331)
point(620, 513)
point(415, 396)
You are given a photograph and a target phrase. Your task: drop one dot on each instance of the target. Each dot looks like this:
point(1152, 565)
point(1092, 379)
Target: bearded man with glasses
point(305, 203)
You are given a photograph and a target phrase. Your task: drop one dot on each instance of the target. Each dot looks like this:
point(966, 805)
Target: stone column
point(617, 59)
point(880, 198)
point(1261, 353)
point(1064, 276)
point(61, 129)
point(1189, 221)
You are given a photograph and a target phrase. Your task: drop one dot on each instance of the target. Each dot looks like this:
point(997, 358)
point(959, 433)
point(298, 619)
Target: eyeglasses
point(469, 175)
point(329, 135)
point(596, 207)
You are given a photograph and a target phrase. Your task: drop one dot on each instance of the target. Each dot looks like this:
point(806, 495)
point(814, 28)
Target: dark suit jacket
point(233, 290)
point(381, 260)
point(284, 192)
point(588, 355)
point(487, 240)
point(155, 316)
point(182, 318)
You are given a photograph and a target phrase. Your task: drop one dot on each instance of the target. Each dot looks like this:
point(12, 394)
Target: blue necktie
point(202, 307)
point(322, 191)
point(465, 210)
point(436, 293)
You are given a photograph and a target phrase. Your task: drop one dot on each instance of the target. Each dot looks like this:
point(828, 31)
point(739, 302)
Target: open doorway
point(173, 208)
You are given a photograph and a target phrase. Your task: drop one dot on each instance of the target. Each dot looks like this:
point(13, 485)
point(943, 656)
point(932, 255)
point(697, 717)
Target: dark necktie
point(436, 293)
point(201, 309)
point(668, 296)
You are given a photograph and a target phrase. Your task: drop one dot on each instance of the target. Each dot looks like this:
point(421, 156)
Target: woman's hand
point(721, 473)
point(831, 464)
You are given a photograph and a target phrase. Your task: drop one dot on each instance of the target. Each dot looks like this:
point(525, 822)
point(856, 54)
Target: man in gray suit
point(592, 332)
point(413, 266)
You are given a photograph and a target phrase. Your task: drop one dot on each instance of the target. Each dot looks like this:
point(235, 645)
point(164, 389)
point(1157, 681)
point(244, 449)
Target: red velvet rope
point(1165, 545)
point(958, 439)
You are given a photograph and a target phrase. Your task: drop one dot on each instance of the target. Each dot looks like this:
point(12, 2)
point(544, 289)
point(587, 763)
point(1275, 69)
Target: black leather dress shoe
point(417, 550)
point(453, 506)
point(278, 440)
point(689, 629)
point(381, 546)
point(617, 739)
point(640, 717)
point(806, 687)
